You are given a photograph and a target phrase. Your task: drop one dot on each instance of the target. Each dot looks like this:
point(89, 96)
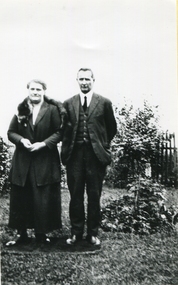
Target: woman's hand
point(37, 146)
point(26, 143)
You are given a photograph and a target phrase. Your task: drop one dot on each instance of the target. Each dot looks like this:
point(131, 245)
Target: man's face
point(36, 92)
point(85, 81)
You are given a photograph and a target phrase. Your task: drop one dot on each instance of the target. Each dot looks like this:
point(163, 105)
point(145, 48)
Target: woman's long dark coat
point(46, 162)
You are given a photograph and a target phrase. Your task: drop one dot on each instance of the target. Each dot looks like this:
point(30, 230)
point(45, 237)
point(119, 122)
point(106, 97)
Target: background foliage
point(5, 161)
point(141, 211)
point(135, 144)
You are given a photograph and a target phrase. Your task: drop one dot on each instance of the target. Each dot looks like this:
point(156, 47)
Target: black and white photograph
point(88, 142)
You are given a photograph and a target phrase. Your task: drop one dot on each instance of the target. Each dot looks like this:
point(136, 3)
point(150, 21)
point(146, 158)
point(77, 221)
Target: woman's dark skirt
point(35, 207)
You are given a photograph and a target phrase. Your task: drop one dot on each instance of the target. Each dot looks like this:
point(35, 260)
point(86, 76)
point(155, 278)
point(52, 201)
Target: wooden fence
point(165, 167)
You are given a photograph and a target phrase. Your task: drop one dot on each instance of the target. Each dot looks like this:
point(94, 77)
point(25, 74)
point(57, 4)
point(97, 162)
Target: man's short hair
point(44, 85)
point(86, 69)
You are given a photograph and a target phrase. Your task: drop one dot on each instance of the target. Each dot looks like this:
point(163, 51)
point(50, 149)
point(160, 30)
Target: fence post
point(162, 156)
point(175, 162)
point(166, 159)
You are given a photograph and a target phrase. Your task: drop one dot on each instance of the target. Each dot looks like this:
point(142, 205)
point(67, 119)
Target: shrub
point(63, 176)
point(5, 160)
point(141, 211)
point(135, 143)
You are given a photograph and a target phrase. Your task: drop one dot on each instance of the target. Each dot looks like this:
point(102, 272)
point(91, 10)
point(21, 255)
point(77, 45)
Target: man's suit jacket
point(101, 127)
point(46, 160)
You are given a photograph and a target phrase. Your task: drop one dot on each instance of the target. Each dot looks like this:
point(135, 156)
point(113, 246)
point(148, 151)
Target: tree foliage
point(135, 144)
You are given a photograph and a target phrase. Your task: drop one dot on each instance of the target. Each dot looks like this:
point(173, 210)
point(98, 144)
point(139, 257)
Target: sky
point(129, 45)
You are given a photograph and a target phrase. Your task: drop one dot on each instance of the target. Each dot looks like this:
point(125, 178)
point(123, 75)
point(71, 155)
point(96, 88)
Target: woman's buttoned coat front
point(46, 161)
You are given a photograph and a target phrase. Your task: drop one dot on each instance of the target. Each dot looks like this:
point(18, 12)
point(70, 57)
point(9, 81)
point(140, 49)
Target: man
point(85, 152)
point(35, 200)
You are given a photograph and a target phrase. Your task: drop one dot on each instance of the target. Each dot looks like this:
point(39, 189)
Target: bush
point(141, 211)
point(135, 143)
point(63, 176)
point(5, 161)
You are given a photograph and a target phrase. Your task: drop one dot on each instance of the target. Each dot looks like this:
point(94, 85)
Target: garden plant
point(142, 210)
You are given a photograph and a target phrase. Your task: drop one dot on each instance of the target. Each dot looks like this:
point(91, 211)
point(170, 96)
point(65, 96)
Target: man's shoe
point(93, 240)
point(74, 239)
point(42, 238)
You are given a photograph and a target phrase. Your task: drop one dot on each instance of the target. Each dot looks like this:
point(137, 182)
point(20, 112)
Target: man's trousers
point(84, 170)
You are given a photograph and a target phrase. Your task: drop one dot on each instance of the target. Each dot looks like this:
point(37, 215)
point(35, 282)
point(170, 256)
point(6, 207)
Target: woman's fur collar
point(25, 109)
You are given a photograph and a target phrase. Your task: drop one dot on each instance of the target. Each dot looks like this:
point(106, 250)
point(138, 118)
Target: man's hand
point(37, 146)
point(26, 143)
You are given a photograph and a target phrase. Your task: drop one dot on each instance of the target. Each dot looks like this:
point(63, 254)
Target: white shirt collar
point(88, 95)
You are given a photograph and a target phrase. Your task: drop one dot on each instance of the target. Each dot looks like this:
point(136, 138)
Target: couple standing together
point(85, 124)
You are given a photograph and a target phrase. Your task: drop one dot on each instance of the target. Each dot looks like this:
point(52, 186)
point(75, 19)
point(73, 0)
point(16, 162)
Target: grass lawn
point(123, 259)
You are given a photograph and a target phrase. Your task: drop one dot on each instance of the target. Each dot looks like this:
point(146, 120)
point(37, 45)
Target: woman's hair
point(44, 85)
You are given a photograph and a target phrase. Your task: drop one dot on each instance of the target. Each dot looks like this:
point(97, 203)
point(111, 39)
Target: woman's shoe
point(23, 239)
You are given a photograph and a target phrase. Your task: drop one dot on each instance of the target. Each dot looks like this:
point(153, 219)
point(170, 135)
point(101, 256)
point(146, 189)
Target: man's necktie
point(85, 103)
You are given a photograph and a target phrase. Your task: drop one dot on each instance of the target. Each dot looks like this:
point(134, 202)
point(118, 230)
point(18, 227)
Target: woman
point(35, 200)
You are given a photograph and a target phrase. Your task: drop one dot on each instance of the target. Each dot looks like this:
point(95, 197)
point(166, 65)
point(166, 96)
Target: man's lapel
point(94, 102)
point(76, 104)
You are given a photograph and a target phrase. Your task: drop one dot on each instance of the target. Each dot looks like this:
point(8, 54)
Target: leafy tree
point(136, 142)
